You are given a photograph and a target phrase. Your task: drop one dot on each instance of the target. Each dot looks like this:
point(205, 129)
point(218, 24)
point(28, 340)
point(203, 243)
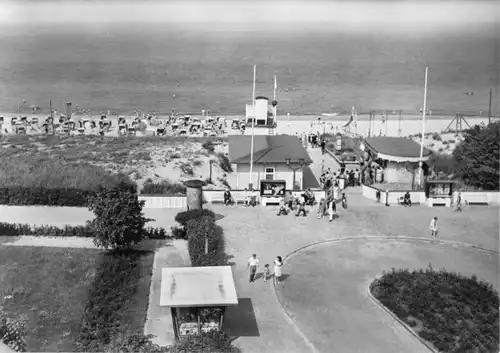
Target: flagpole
point(275, 86)
point(420, 170)
point(253, 129)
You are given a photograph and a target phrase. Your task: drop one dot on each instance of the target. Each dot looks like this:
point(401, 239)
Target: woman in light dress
point(278, 269)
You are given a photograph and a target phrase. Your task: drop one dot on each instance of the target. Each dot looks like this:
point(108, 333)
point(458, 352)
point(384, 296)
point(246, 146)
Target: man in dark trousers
point(323, 146)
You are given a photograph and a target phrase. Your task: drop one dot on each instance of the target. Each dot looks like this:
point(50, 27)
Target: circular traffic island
point(326, 290)
point(451, 312)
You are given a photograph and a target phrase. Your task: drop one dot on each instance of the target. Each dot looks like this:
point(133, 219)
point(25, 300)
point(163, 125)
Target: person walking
point(278, 269)
point(332, 208)
point(252, 265)
point(458, 204)
point(433, 227)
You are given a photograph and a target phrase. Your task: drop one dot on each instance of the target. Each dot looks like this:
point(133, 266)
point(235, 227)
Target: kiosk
point(439, 192)
point(197, 297)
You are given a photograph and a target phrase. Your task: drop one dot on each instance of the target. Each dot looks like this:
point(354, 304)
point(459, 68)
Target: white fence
point(154, 201)
point(209, 196)
point(492, 197)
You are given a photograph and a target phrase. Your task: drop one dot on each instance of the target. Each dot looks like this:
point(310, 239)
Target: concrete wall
point(281, 172)
point(370, 193)
point(493, 197)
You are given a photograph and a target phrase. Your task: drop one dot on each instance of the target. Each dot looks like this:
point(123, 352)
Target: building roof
point(267, 149)
point(396, 148)
point(198, 286)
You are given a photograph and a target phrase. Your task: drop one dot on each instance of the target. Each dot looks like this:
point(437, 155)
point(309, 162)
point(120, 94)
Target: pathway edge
point(401, 322)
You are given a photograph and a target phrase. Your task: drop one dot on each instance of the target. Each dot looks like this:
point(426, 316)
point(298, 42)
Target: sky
point(252, 11)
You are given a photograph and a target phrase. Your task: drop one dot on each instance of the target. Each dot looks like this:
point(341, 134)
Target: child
point(267, 272)
point(282, 208)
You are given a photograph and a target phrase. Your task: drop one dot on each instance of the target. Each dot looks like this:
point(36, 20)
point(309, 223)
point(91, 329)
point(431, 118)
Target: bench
point(270, 201)
point(238, 198)
point(414, 200)
point(439, 201)
point(475, 199)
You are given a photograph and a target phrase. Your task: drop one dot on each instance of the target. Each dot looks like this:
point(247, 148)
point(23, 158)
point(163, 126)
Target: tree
point(119, 221)
point(477, 156)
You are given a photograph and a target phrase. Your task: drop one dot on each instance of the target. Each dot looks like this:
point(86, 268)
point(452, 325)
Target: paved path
point(260, 322)
point(333, 316)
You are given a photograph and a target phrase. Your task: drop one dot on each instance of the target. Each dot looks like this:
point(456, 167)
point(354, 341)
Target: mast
point(253, 129)
point(420, 171)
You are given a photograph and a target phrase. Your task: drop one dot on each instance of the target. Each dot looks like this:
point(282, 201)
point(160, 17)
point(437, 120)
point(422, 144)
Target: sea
point(124, 67)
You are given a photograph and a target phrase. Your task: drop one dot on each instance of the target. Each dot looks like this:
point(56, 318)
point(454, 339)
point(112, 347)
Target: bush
point(117, 279)
point(184, 217)
point(206, 342)
point(224, 163)
point(178, 233)
point(12, 333)
point(119, 221)
point(163, 188)
point(457, 313)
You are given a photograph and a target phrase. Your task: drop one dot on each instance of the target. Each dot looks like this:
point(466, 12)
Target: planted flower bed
point(452, 312)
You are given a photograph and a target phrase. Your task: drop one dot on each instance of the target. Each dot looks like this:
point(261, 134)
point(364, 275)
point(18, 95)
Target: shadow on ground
point(240, 320)
point(310, 180)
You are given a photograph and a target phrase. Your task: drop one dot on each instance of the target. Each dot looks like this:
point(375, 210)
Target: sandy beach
point(408, 125)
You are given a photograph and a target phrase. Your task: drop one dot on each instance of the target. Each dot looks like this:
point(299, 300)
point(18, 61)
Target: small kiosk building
point(197, 297)
point(399, 157)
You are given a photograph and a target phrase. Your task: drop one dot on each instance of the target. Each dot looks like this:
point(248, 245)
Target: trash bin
point(194, 194)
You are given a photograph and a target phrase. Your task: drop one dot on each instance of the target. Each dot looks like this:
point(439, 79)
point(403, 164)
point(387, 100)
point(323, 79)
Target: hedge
point(116, 282)
point(86, 231)
point(197, 230)
point(184, 217)
point(27, 196)
point(162, 188)
point(453, 312)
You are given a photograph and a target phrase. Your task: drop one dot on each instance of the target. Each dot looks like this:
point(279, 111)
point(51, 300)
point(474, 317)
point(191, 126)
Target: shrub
point(178, 233)
point(117, 279)
point(12, 333)
point(184, 217)
point(436, 136)
point(163, 188)
point(224, 163)
point(209, 146)
point(457, 313)
point(119, 221)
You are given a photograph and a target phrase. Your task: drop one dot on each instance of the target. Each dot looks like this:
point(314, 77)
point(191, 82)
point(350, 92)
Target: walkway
point(259, 322)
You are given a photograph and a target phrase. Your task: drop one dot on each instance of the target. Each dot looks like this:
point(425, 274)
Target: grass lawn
point(50, 289)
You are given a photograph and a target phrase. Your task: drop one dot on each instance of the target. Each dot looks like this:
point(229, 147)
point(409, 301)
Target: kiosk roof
point(198, 286)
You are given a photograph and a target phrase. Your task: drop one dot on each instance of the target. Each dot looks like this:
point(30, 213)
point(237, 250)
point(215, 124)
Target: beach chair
point(132, 131)
point(13, 121)
point(81, 131)
point(20, 130)
point(1, 120)
point(161, 132)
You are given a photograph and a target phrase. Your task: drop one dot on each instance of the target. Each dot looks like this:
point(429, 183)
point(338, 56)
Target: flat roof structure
point(198, 286)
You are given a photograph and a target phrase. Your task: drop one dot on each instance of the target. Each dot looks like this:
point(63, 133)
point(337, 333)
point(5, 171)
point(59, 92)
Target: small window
point(269, 171)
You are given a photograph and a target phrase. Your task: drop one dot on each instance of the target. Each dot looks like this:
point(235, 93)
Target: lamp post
point(210, 175)
point(301, 164)
point(207, 229)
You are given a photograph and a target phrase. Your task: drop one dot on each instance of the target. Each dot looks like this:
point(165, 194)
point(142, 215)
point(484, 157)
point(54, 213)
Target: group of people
point(288, 201)
point(249, 198)
point(253, 264)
